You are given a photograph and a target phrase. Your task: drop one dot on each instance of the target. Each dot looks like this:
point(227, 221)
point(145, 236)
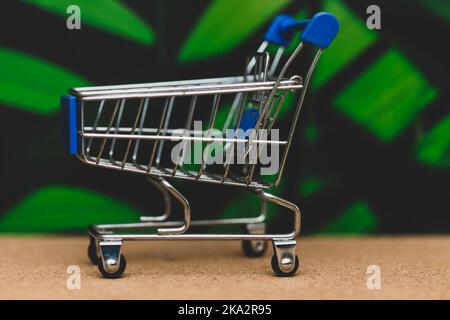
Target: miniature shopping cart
point(150, 128)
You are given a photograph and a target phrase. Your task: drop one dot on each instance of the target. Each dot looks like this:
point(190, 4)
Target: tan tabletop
point(331, 268)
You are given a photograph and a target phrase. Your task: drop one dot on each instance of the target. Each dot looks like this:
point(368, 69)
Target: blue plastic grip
point(69, 115)
point(281, 30)
point(320, 30)
point(249, 119)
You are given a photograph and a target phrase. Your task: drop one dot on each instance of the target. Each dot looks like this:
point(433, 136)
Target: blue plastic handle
point(320, 30)
point(69, 119)
point(280, 31)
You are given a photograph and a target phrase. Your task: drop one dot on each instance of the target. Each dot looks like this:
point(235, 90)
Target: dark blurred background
point(371, 154)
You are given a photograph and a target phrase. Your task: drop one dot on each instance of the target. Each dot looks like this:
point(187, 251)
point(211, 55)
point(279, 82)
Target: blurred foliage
point(62, 208)
point(357, 219)
point(311, 186)
point(353, 38)
point(434, 146)
point(393, 93)
point(439, 7)
point(371, 90)
point(107, 15)
point(33, 84)
point(225, 24)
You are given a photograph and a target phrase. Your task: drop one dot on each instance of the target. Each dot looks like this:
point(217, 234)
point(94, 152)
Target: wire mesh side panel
point(228, 138)
point(185, 137)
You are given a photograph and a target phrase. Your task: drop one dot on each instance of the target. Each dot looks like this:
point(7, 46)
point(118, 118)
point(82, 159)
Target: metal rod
point(189, 119)
point(167, 204)
point(94, 230)
point(140, 131)
point(113, 142)
point(97, 119)
point(175, 138)
point(196, 91)
point(177, 83)
point(228, 163)
point(276, 61)
point(136, 120)
point(156, 172)
point(186, 211)
point(296, 115)
point(102, 147)
point(212, 120)
point(166, 125)
point(163, 115)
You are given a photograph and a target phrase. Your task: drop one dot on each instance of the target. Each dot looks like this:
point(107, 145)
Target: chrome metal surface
point(110, 254)
point(132, 128)
point(285, 254)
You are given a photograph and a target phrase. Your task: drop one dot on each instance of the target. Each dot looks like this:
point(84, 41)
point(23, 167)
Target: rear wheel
point(254, 248)
point(92, 251)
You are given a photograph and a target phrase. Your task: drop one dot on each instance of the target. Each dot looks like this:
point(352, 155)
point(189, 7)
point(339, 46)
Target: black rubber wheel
point(250, 251)
point(114, 275)
point(92, 252)
point(281, 273)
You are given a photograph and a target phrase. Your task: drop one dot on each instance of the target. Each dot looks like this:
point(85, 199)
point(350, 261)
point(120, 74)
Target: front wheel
point(116, 274)
point(279, 272)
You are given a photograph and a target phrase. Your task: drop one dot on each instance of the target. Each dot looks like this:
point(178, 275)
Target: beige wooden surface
point(331, 268)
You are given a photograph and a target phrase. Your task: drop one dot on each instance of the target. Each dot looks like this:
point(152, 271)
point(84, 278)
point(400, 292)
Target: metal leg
point(285, 262)
point(254, 248)
point(160, 221)
point(186, 209)
point(289, 205)
point(167, 204)
point(106, 231)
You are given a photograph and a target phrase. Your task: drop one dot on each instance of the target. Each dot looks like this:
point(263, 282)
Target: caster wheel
point(280, 272)
point(92, 252)
point(116, 274)
point(254, 249)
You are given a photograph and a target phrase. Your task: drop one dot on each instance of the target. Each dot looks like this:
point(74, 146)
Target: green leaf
point(434, 148)
point(387, 96)
point(62, 208)
point(226, 24)
point(32, 84)
point(311, 132)
point(438, 7)
point(107, 15)
point(311, 186)
point(358, 219)
point(353, 38)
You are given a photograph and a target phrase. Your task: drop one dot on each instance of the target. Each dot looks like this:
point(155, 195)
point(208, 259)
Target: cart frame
point(105, 240)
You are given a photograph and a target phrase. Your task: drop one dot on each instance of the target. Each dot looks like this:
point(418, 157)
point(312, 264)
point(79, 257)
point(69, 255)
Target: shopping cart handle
point(320, 30)
point(281, 31)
